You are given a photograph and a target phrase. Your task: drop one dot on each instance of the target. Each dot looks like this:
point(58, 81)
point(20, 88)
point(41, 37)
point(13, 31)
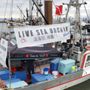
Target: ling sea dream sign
point(28, 36)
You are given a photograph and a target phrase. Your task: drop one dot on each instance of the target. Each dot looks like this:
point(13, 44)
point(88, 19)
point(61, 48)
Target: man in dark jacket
point(29, 66)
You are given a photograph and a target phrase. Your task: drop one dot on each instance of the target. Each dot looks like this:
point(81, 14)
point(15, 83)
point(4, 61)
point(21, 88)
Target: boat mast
point(77, 5)
point(78, 28)
point(29, 12)
point(30, 7)
point(37, 4)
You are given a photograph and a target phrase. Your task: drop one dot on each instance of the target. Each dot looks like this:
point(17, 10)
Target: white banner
point(3, 52)
point(36, 35)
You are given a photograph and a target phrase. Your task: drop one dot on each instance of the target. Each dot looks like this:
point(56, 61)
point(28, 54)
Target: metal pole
point(37, 5)
point(11, 9)
point(30, 8)
point(9, 64)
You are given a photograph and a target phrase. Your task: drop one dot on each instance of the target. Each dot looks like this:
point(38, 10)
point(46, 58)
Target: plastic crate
point(41, 77)
point(4, 74)
point(20, 74)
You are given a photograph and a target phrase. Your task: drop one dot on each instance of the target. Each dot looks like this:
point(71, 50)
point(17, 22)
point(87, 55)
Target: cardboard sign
point(3, 51)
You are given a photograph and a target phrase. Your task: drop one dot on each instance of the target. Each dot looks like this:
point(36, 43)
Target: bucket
point(45, 71)
point(55, 74)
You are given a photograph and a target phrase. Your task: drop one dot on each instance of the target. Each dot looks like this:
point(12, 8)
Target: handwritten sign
point(36, 35)
point(3, 51)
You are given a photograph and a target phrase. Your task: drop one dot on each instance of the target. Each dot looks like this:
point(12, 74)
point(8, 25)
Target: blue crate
point(54, 64)
point(20, 74)
point(38, 78)
point(4, 74)
point(65, 66)
point(41, 77)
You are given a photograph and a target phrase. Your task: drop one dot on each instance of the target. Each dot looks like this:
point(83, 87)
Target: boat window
point(88, 58)
point(88, 61)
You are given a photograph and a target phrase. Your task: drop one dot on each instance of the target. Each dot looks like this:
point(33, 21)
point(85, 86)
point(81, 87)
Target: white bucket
point(46, 71)
point(55, 74)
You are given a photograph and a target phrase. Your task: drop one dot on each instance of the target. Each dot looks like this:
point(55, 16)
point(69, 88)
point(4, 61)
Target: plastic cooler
point(65, 66)
point(54, 64)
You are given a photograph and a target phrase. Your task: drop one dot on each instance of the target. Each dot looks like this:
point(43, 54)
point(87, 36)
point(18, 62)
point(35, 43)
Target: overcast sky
point(6, 7)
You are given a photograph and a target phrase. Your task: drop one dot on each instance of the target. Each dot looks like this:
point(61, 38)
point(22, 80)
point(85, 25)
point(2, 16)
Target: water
point(83, 86)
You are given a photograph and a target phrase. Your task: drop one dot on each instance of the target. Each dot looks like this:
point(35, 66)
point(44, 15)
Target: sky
point(6, 8)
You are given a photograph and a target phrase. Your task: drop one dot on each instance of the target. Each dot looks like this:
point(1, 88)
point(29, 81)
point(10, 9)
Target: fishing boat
point(55, 62)
point(65, 80)
point(65, 70)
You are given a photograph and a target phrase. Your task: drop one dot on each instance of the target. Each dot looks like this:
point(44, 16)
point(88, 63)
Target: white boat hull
point(70, 83)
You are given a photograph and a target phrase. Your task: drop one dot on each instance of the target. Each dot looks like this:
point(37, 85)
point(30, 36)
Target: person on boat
point(29, 66)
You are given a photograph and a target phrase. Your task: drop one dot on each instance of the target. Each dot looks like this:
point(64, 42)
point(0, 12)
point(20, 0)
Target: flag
point(59, 9)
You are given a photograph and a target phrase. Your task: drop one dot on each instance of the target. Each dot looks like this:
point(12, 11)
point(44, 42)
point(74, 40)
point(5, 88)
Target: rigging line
point(55, 7)
point(11, 9)
point(22, 3)
point(19, 6)
point(85, 10)
point(53, 4)
point(5, 9)
point(21, 11)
